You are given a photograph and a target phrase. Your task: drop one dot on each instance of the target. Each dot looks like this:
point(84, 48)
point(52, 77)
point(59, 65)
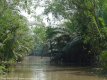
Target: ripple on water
point(35, 68)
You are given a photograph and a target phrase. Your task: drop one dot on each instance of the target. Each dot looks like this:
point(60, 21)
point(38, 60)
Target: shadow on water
point(37, 68)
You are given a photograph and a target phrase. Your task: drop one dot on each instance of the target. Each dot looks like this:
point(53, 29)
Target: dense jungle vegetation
point(76, 35)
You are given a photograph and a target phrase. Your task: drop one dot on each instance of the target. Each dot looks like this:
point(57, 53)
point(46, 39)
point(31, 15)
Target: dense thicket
point(78, 37)
point(15, 37)
point(85, 21)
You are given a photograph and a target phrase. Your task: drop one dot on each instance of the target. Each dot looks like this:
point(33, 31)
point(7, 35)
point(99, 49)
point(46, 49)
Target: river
point(37, 68)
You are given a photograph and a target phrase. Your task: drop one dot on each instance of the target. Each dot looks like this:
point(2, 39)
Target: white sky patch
point(47, 20)
point(28, 16)
point(39, 10)
point(32, 16)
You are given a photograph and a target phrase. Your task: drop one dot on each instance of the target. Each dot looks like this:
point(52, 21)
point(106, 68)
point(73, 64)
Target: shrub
point(103, 60)
point(2, 69)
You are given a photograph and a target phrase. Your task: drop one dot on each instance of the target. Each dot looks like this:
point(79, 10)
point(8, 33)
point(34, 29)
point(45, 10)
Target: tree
point(16, 40)
point(85, 19)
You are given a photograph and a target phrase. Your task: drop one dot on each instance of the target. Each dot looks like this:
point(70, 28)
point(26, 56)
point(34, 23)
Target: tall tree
point(84, 19)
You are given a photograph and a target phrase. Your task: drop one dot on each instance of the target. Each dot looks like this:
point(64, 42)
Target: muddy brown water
point(37, 68)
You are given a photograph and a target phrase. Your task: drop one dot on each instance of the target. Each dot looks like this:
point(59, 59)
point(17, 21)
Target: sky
point(35, 12)
point(47, 20)
point(36, 9)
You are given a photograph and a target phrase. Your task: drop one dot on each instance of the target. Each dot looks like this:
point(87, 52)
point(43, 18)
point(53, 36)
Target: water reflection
point(39, 75)
point(35, 68)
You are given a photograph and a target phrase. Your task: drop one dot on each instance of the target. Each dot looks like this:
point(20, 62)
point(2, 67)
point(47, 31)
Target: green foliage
point(15, 38)
point(40, 34)
point(2, 69)
point(86, 18)
point(103, 59)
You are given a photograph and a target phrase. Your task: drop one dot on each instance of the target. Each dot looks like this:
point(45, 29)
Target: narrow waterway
point(37, 68)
